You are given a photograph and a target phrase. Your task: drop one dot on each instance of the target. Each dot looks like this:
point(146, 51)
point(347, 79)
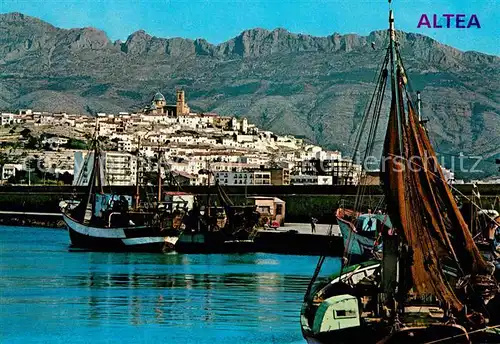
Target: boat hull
point(212, 242)
point(435, 333)
point(119, 239)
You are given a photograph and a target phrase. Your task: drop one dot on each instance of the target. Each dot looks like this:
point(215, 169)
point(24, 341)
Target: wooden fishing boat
point(361, 234)
point(432, 284)
point(130, 238)
point(104, 222)
point(218, 229)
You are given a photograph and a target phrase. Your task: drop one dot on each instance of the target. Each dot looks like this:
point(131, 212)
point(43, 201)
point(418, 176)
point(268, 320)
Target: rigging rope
point(377, 96)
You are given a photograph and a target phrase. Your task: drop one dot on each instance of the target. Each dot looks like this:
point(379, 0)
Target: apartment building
point(311, 180)
point(119, 168)
point(234, 178)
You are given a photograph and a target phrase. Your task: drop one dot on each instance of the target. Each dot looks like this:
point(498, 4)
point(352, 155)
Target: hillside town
point(193, 148)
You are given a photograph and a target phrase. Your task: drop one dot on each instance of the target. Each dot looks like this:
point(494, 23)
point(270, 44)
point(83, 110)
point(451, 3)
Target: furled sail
point(421, 205)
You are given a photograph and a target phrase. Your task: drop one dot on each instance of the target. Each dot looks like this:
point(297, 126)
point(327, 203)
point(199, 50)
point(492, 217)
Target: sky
point(220, 20)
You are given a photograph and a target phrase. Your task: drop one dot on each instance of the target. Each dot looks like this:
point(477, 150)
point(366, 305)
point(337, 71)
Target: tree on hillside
point(66, 178)
point(33, 143)
point(26, 133)
point(76, 144)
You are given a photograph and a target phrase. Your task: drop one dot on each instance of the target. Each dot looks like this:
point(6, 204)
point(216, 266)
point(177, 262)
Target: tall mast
point(391, 263)
point(419, 106)
point(394, 75)
point(159, 174)
point(137, 179)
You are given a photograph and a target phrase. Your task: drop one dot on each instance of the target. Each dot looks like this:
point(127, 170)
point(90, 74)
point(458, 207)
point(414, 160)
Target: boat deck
point(305, 228)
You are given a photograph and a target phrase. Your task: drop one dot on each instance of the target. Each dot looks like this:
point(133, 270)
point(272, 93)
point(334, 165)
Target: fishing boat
point(102, 221)
point(361, 234)
point(216, 228)
point(432, 284)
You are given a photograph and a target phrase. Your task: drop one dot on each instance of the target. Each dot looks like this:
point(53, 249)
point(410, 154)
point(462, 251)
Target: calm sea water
point(51, 295)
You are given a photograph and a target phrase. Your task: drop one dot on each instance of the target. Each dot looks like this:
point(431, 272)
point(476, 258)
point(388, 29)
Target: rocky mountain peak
point(291, 83)
point(136, 43)
point(89, 38)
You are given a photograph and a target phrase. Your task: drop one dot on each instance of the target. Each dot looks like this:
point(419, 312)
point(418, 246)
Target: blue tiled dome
point(158, 97)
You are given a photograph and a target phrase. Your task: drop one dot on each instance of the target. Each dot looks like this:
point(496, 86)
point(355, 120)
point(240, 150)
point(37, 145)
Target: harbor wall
point(302, 202)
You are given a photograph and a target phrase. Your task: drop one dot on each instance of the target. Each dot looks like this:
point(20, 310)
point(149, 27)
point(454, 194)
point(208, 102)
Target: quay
point(303, 201)
point(293, 238)
point(28, 213)
point(297, 238)
point(38, 206)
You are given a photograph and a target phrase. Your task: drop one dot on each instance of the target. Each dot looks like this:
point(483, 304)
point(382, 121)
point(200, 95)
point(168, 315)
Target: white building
point(7, 118)
point(55, 141)
point(310, 180)
point(243, 178)
point(9, 170)
point(126, 146)
point(119, 168)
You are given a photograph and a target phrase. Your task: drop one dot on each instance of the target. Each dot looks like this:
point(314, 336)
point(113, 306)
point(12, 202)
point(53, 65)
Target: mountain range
point(311, 87)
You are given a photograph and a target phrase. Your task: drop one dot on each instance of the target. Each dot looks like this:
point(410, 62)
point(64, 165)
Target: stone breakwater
point(302, 202)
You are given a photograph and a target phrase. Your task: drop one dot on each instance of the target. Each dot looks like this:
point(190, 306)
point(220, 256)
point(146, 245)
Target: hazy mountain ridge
point(314, 87)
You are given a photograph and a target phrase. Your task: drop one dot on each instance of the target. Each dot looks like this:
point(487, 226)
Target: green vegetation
point(97, 90)
point(284, 89)
point(26, 133)
point(4, 159)
point(129, 94)
point(240, 89)
point(30, 202)
point(76, 144)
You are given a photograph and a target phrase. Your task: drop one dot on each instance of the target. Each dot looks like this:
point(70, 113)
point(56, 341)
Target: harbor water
point(49, 294)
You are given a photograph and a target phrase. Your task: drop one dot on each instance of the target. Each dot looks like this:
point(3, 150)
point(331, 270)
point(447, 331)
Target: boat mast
point(419, 106)
point(137, 191)
point(94, 176)
point(394, 76)
point(159, 175)
point(392, 264)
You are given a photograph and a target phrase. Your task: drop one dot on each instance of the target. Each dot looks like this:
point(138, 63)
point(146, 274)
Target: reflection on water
point(48, 294)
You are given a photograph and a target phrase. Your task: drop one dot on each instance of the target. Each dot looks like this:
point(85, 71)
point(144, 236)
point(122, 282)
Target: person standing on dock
point(313, 224)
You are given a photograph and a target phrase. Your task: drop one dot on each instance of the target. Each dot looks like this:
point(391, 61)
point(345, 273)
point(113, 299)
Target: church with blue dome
point(159, 106)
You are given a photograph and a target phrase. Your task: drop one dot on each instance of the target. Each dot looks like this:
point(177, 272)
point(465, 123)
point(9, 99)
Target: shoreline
point(31, 221)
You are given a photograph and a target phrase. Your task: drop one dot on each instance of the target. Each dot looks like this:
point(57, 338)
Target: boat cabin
point(269, 208)
point(372, 223)
point(178, 200)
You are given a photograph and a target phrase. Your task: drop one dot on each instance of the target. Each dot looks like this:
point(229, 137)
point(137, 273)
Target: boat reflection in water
point(191, 291)
point(54, 296)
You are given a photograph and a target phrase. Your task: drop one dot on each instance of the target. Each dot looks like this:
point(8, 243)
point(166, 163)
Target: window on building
point(279, 209)
point(264, 209)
